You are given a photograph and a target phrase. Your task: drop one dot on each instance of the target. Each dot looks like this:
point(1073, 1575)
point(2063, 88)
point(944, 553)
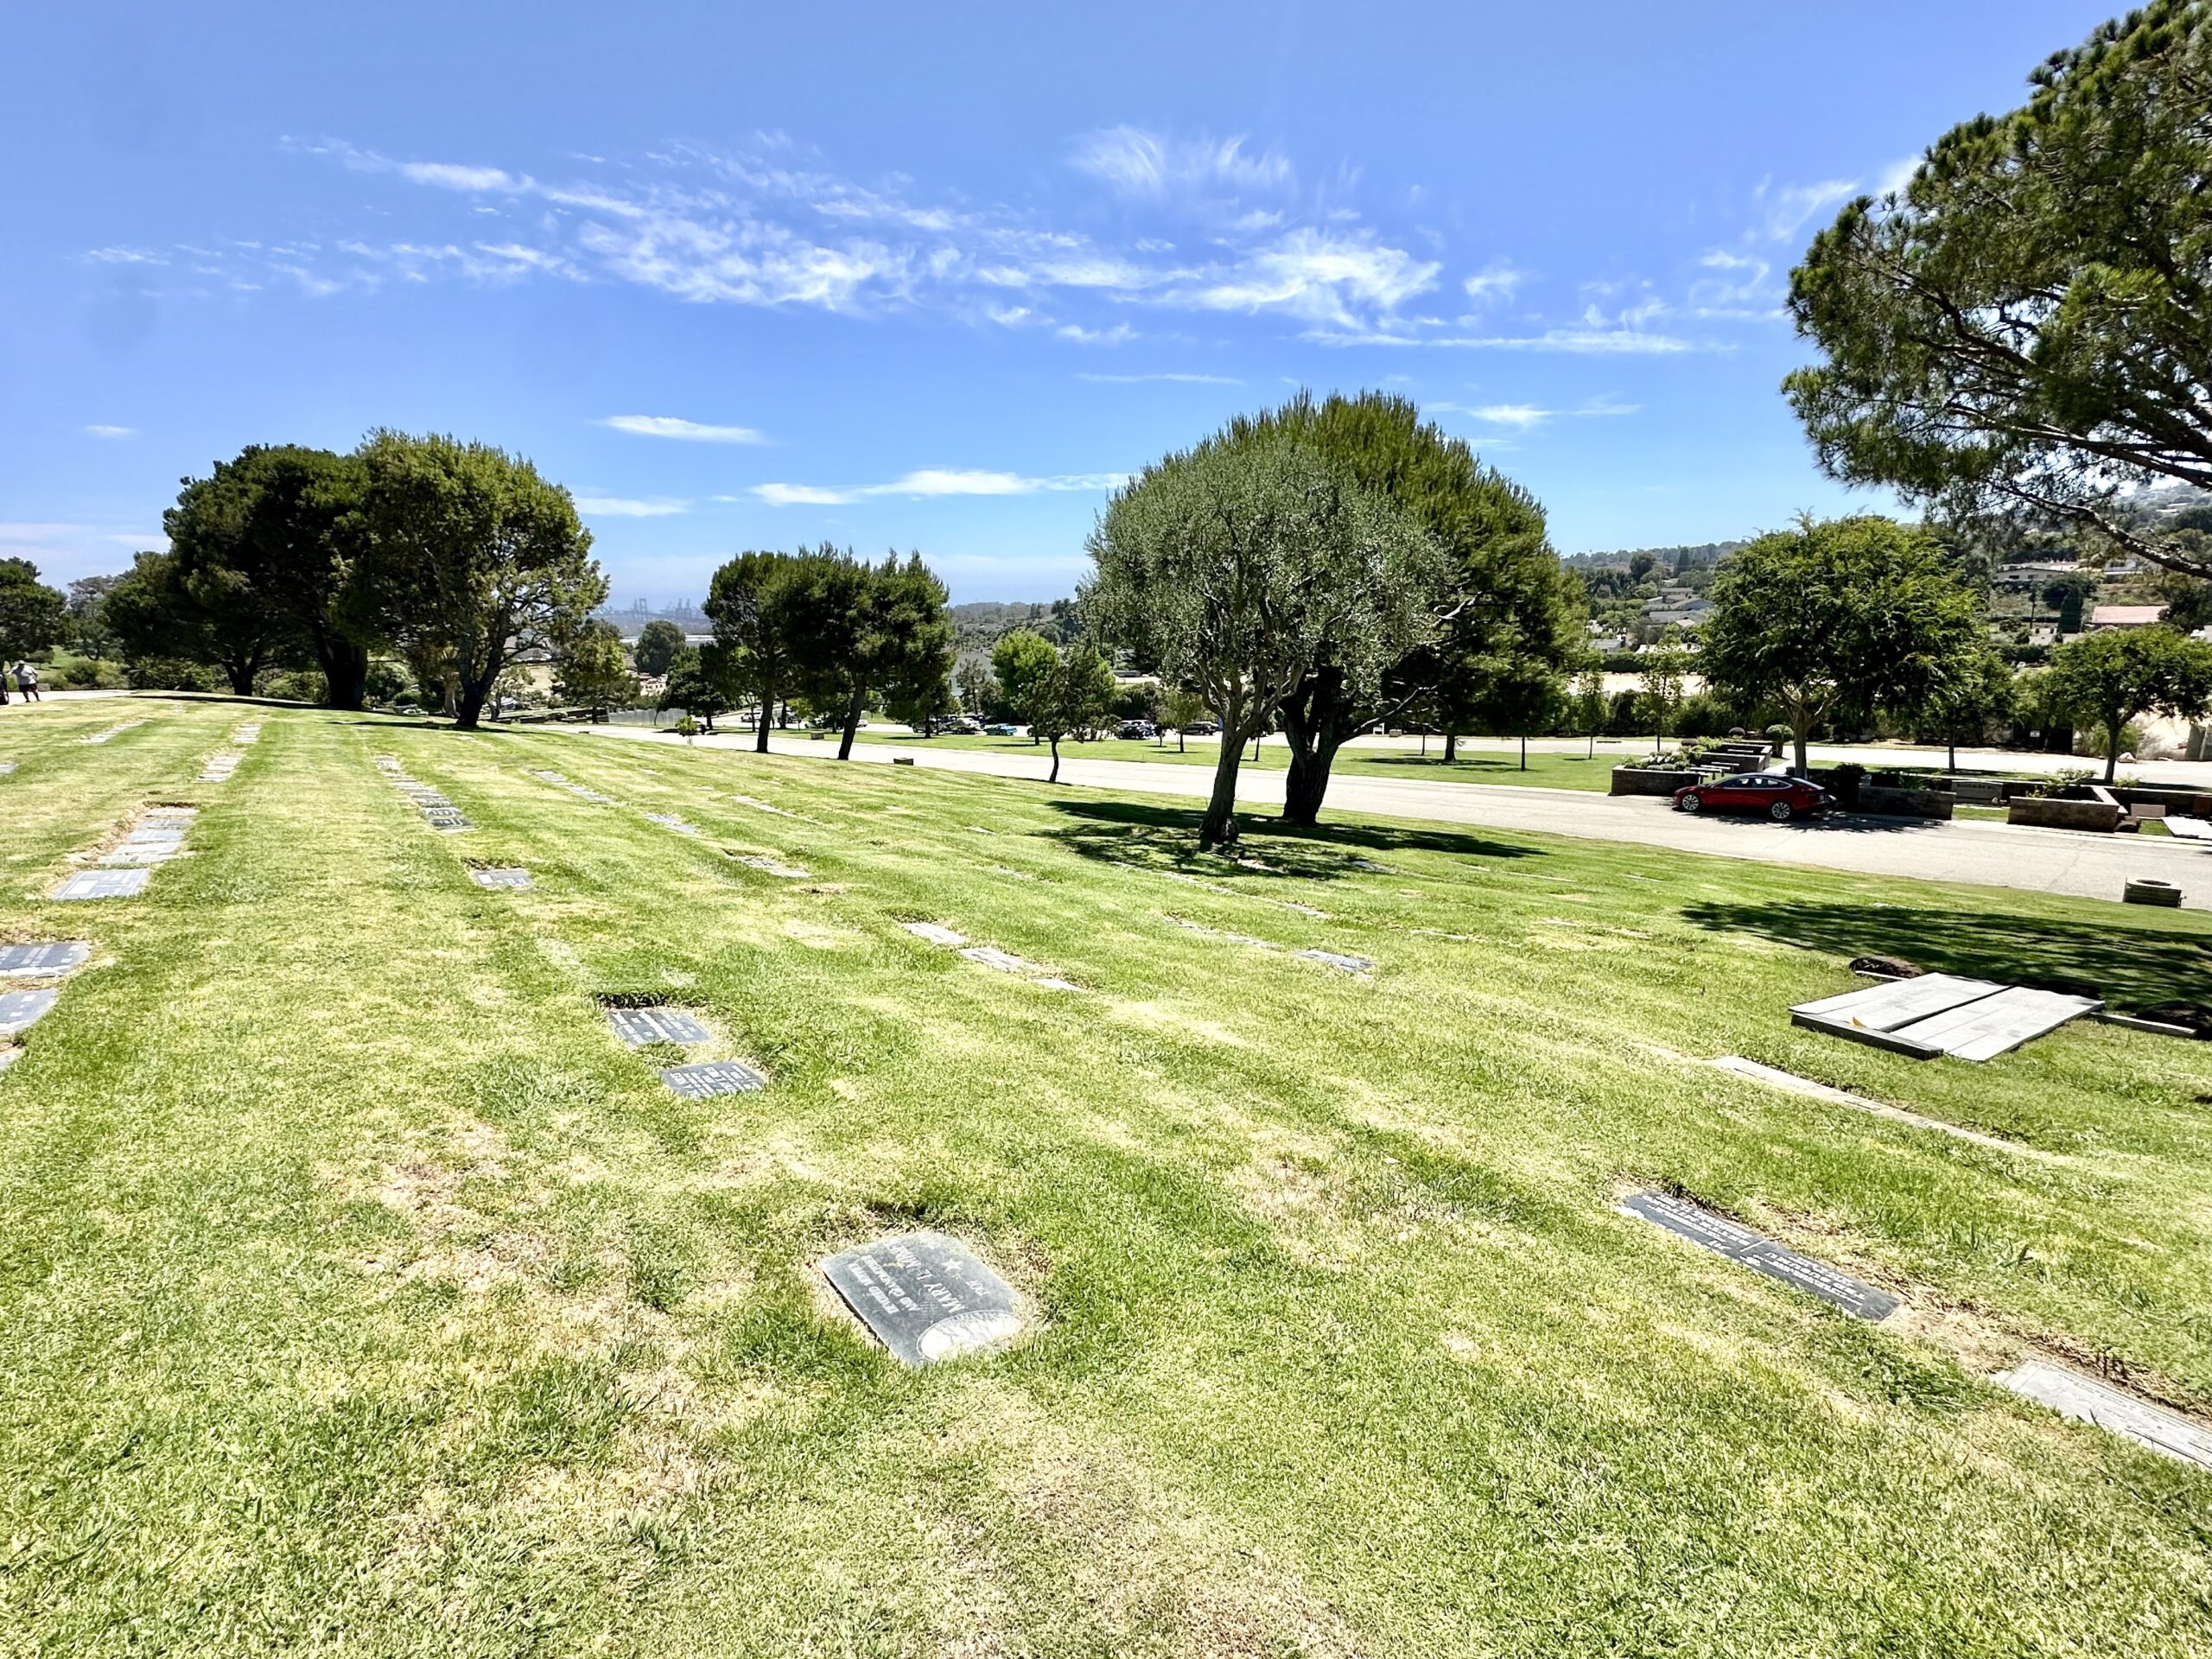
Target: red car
point(1781, 797)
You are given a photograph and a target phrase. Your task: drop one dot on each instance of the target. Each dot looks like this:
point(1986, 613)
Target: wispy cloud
point(619, 506)
point(1180, 378)
point(111, 431)
point(930, 481)
point(1523, 417)
point(774, 226)
point(1137, 161)
point(671, 426)
point(1786, 208)
point(1495, 283)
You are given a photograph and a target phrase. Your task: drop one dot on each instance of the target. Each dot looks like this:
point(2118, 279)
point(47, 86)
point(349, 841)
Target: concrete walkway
point(1981, 854)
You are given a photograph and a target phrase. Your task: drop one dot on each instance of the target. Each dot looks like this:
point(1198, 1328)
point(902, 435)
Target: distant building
point(2124, 616)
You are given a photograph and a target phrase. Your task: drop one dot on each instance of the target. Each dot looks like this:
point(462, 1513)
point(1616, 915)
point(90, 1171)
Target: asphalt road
point(1979, 852)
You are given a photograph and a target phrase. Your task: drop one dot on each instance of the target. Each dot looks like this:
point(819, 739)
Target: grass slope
point(360, 1292)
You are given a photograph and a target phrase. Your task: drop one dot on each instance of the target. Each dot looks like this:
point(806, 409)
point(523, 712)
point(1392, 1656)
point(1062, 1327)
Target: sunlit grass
point(359, 1291)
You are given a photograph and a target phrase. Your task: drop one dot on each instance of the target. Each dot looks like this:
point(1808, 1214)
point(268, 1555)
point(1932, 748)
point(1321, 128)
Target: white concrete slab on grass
point(936, 933)
point(2087, 1401)
point(104, 884)
point(1942, 1013)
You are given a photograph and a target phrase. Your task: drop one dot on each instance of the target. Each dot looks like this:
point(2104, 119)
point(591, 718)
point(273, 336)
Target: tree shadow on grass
point(2130, 967)
point(1166, 838)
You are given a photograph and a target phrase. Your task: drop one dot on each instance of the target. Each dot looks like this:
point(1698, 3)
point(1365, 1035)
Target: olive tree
point(1238, 568)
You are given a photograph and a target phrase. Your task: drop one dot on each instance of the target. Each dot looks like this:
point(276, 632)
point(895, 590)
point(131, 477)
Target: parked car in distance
point(1781, 797)
point(1002, 730)
point(965, 726)
point(1133, 728)
point(1202, 728)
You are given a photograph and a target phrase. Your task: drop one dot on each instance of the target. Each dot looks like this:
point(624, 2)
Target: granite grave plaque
point(21, 1010)
point(668, 820)
point(38, 961)
point(2087, 1401)
point(501, 878)
point(926, 1297)
point(1340, 962)
point(155, 834)
point(133, 854)
point(638, 1026)
point(774, 867)
point(1005, 961)
point(6, 766)
point(1761, 1254)
point(712, 1077)
point(936, 933)
point(104, 884)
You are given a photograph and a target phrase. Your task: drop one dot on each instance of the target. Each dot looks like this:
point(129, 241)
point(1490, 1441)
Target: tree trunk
point(1524, 751)
point(852, 723)
point(1219, 827)
point(1055, 778)
point(1951, 753)
point(760, 727)
point(1801, 727)
point(240, 670)
point(1451, 747)
point(1182, 740)
point(1307, 783)
point(2112, 748)
point(344, 672)
point(468, 704)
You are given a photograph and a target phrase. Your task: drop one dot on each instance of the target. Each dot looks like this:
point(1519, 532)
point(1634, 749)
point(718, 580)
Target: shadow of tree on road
point(1166, 838)
point(2130, 966)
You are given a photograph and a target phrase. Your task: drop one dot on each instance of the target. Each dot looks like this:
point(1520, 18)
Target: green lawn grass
point(1544, 771)
point(359, 1292)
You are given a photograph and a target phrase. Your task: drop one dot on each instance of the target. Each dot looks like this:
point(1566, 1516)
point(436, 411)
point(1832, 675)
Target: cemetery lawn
point(359, 1292)
point(1544, 771)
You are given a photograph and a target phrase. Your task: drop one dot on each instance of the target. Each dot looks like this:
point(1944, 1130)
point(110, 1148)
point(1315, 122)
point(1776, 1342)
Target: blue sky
point(934, 277)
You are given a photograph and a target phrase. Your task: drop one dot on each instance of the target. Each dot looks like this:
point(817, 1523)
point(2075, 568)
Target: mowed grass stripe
point(381, 1299)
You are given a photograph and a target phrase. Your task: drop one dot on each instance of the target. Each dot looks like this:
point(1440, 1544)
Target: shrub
point(169, 674)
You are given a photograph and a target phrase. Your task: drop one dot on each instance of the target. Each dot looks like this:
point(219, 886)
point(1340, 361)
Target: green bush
point(69, 672)
point(170, 674)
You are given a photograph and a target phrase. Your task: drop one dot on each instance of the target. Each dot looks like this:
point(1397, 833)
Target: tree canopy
point(1479, 621)
point(2105, 680)
point(859, 630)
point(33, 616)
point(264, 542)
point(590, 673)
point(1240, 567)
point(466, 549)
point(1846, 616)
point(2024, 326)
point(1073, 697)
point(754, 601)
point(1024, 663)
point(658, 643)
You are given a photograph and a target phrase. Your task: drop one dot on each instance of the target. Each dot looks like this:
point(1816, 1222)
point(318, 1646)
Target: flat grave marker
point(711, 1077)
point(669, 821)
point(249, 732)
point(1762, 1255)
point(114, 731)
point(103, 883)
point(1343, 963)
point(169, 834)
point(129, 854)
point(21, 1010)
point(509, 877)
point(926, 1297)
point(774, 867)
point(1942, 1013)
point(2087, 1401)
point(1004, 961)
point(936, 933)
point(6, 766)
point(638, 1026)
point(54, 957)
point(1775, 1078)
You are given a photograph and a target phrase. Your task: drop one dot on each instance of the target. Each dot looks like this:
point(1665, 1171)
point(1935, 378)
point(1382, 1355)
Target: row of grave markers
point(926, 1297)
point(636, 1026)
point(124, 869)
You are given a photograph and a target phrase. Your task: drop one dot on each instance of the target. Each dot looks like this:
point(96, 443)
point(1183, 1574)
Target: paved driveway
point(1986, 855)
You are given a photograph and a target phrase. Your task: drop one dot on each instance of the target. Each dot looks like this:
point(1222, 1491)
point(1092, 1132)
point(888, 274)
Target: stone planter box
point(1651, 781)
point(2093, 810)
point(1905, 802)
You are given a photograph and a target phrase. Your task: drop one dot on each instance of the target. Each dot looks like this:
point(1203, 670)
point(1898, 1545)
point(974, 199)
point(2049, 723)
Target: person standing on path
point(27, 680)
